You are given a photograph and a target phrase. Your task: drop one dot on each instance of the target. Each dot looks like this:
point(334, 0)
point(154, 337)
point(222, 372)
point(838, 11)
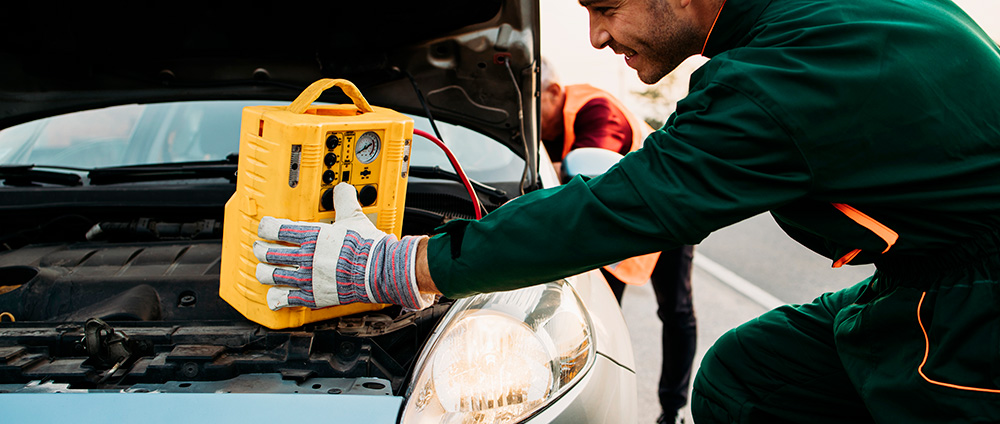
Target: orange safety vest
point(634, 271)
point(577, 96)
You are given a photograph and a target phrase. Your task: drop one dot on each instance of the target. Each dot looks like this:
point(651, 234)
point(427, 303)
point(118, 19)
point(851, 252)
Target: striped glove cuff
point(379, 271)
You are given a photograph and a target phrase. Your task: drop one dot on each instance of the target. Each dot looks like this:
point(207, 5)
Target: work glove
point(336, 264)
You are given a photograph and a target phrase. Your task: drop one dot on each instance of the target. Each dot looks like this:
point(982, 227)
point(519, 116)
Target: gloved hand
point(336, 264)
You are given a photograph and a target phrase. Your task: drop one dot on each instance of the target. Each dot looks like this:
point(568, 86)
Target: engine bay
point(120, 293)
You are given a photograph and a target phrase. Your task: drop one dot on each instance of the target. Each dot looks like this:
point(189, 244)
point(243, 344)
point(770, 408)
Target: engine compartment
point(120, 293)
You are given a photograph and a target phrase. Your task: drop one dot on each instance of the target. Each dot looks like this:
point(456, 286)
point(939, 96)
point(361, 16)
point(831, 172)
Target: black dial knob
point(329, 176)
point(368, 195)
point(332, 141)
point(330, 159)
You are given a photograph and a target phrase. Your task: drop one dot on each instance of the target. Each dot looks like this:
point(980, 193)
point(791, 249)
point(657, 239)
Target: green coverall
point(889, 106)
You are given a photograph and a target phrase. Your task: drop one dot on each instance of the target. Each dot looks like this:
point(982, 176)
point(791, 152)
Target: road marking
point(746, 288)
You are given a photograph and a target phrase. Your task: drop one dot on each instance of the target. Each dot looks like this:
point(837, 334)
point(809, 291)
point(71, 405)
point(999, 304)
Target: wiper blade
point(437, 173)
point(225, 168)
point(28, 175)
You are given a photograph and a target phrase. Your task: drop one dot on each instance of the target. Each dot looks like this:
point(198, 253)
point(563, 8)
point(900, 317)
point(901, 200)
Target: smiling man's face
point(655, 36)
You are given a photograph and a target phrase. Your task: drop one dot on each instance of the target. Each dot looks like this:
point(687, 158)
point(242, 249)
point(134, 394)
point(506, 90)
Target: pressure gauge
point(367, 147)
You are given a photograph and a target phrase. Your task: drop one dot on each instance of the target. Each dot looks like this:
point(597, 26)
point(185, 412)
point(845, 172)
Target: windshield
point(203, 131)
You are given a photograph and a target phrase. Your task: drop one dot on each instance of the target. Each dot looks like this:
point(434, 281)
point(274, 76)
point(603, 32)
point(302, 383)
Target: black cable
point(520, 119)
point(30, 233)
point(420, 96)
point(436, 172)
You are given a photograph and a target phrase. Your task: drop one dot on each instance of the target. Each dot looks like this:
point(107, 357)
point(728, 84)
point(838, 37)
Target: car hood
point(86, 56)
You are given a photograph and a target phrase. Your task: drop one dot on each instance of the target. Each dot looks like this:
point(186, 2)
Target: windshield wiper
point(28, 175)
point(437, 173)
point(225, 168)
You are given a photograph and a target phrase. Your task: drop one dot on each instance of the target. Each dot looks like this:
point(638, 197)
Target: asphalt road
point(756, 252)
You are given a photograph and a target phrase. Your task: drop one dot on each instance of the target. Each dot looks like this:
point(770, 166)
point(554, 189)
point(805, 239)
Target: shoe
point(666, 419)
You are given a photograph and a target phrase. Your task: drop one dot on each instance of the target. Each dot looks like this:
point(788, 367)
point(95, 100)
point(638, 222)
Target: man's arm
point(423, 274)
point(720, 159)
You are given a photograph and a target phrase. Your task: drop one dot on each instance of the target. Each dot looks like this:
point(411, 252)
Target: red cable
point(458, 169)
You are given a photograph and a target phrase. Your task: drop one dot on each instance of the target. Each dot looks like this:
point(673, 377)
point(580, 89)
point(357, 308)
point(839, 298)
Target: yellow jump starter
point(290, 159)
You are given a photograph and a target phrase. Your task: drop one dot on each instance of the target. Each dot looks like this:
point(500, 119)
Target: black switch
point(326, 200)
point(329, 176)
point(347, 176)
point(330, 159)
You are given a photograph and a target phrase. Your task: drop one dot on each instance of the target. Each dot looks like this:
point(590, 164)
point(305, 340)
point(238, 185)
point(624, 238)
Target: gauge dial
point(367, 147)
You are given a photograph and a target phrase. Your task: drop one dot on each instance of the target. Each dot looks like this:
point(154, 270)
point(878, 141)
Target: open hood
point(57, 59)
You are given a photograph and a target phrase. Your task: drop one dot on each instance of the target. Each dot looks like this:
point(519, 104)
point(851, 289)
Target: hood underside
point(63, 59)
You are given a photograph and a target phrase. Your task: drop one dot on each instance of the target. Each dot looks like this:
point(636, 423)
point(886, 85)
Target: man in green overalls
point(870, 129)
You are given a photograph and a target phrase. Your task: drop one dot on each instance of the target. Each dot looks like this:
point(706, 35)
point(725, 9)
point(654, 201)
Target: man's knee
point(704, 409)
point(757, 372)
point(714, 397)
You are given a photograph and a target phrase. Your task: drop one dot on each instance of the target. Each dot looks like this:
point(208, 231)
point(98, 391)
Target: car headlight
point(502, 356)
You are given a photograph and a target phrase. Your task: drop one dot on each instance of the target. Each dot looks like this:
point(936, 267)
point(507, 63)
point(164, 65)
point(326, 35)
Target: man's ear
point(554, 89)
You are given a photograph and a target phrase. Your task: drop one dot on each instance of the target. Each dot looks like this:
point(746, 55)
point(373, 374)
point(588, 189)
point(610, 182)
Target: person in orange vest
point(575, 116)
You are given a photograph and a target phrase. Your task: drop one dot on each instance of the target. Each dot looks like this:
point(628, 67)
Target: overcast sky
point(566, 43)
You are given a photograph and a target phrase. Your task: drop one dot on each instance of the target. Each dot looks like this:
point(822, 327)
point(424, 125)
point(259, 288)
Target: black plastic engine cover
point(140, 281)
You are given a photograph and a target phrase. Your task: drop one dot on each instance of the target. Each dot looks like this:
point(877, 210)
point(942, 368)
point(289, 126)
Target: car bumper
point(606, 394)
point(215, 408)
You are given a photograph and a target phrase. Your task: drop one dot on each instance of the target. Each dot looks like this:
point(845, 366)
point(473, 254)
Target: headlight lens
point(502, 356)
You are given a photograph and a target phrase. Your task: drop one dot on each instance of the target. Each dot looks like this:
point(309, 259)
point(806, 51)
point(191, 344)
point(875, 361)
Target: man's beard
point(670, 44)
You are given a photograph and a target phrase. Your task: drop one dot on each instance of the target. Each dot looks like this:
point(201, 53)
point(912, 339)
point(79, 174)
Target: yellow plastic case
point(290, 159)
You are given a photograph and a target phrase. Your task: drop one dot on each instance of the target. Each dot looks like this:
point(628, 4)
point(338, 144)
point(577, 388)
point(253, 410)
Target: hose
point(458, 170)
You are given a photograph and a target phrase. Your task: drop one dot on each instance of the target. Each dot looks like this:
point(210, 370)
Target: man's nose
point(599, 37)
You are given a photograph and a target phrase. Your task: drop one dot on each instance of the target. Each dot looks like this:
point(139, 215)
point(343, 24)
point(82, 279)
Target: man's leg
point(617, 286)
point(782, 367)
point(924, 351)
point(671, 280)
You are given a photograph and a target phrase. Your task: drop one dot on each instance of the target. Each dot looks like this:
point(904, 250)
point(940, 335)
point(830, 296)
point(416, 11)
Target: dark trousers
point(915, 343)
point(671, 280)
